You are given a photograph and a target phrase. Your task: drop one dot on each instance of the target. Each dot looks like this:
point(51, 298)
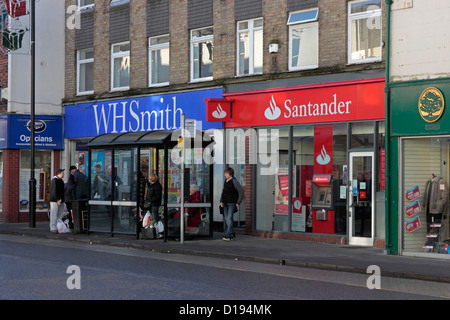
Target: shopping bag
point(62, 227)
point(146, 221)
point(159, 227)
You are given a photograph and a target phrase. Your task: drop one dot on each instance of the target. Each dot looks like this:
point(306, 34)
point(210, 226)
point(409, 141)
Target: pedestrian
point(100, 184)
point(81, 181)
point(154, 196)
point(230, 199)
point(70, 194)
point(56, 199)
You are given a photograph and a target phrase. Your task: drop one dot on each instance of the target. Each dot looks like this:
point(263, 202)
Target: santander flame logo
point(323, 158)
point(273, 112)
point(219, 113)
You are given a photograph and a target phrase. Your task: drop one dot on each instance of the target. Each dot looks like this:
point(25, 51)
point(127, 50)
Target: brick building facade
point(108, 23)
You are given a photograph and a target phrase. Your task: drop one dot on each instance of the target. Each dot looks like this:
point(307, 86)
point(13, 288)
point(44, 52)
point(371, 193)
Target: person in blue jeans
point(230, 199)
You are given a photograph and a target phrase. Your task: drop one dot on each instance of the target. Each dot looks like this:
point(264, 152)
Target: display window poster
point(413, 208)
point(413, 224)
point(412, 193)
point(282, 189)
point(298, 215)
point(82, 160)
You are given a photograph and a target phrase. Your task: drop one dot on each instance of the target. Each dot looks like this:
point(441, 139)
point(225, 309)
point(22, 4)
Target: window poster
point(298, 215)
point(282, 189)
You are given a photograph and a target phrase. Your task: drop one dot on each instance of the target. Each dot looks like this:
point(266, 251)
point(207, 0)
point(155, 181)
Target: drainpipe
point(387, 92)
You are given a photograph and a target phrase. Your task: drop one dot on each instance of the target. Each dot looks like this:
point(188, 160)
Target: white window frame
point(375, 14)
point(251, 31)
point(120, 54)
point(79, 63)
point(196, 41)
point(156, 47)
point(88, 6)
point(302, 24)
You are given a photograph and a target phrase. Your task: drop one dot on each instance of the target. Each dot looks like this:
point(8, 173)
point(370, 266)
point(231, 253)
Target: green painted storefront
point(418, 153)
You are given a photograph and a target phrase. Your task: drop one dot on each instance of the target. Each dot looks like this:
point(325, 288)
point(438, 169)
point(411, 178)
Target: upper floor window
point(119, 2)
point(85, 4)
point(202, 54)
point(303, 40)
point(120, 66)
point(159, 60)
point(250, 47)
point(85, 71)
point(364, 31)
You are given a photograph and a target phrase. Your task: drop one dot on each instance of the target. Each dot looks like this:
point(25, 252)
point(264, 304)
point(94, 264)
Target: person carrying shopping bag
point(230, 199)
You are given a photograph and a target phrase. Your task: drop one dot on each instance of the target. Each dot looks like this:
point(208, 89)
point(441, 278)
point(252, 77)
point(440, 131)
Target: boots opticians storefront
point(419, 155)
point(313, 155)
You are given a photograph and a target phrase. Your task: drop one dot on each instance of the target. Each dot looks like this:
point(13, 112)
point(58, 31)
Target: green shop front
point(418, 169)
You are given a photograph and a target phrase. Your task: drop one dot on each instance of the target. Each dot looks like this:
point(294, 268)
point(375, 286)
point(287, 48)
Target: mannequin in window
point(435, 199)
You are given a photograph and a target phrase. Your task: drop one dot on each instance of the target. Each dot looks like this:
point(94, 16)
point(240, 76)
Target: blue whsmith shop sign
point(138, 114)
point(15, 132)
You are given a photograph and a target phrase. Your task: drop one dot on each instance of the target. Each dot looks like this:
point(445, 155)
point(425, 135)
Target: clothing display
point(436, 209)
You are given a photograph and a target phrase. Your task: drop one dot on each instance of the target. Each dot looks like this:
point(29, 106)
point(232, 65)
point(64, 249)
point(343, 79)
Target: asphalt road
point(48, 269)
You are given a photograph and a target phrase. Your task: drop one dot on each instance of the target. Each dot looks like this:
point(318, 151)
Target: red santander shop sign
point(321, 103)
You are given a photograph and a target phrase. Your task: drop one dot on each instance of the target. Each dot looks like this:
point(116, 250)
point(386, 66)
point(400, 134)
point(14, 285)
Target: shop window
point(364, 31)
point(303, 40)
point(120, 66)
point(362, 134)
point(43, 175)
point(159, 60)
point(85, 71)
point(425, 194)
point(250, 47)
point(303, 156)
point(202, 54)
point(272, 173)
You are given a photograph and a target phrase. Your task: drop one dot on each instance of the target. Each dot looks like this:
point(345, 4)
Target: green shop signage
point(419, 109)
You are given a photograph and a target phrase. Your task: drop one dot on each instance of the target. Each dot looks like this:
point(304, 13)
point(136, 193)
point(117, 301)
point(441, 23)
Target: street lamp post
point(32, 182)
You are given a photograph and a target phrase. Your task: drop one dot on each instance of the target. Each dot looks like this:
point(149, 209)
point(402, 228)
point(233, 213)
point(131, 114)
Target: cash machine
point(322, 203)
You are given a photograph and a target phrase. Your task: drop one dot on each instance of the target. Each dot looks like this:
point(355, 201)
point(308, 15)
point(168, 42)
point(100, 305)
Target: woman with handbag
point(231, 198)
point(153, 198)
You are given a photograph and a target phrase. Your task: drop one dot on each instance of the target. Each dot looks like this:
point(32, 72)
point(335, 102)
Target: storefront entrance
point(360, 198)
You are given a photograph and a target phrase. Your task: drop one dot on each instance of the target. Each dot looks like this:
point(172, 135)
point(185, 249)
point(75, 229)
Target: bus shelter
point(118, 162)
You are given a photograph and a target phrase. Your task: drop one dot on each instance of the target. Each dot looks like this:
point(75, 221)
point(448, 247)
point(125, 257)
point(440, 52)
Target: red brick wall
point(10, 195)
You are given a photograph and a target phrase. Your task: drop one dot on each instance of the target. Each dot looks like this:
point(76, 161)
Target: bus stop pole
point(182, 181)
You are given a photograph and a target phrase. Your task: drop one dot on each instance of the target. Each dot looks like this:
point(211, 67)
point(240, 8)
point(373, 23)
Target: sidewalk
point(266, 250)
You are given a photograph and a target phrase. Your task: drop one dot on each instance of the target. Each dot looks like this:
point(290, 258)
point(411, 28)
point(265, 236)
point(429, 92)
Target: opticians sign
point(321, 103)
point(15, 132)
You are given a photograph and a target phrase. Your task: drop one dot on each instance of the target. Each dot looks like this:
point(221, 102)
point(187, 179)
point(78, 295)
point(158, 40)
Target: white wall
point(420, 39)
point(50, 50)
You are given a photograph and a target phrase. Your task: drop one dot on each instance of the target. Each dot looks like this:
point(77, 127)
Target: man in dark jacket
point(231, 198)
point(70, 193)
point(81, 181)
point(56, 199)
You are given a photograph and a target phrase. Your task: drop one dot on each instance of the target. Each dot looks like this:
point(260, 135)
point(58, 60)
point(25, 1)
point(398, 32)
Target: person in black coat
point(231, 198)
point(56, 199)
point(70, 194)
point(154, 196)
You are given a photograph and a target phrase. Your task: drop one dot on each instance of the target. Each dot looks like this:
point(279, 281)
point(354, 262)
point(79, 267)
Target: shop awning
point(162, 137)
